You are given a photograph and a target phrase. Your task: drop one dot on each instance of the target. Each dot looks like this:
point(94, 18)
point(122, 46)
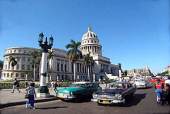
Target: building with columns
point(60, 66)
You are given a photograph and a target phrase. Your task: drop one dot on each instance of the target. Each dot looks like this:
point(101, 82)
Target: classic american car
point(77, 90)
point(155, 79)
point(140, 83)
point(117, 94)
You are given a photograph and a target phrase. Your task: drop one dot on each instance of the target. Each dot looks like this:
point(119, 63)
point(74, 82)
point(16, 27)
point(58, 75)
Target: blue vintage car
point(77, 90)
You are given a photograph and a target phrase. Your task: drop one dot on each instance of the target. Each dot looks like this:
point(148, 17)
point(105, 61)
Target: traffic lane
point(143, 103)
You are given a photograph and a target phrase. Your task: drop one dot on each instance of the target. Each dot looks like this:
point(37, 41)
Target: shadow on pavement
point(135, 100)
point(78, 100)
point(46, 108)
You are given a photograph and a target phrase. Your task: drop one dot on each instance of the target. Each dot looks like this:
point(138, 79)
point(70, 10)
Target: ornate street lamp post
point(45, 46)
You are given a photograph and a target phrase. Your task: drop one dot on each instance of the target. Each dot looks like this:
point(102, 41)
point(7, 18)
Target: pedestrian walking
point(159, 89)
point(30, 95)
point(16, 85)
point(26, 84)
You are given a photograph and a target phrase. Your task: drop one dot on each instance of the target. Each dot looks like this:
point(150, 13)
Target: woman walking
point(30, 93)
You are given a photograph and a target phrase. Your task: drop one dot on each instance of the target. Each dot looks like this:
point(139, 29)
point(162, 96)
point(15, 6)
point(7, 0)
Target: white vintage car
point(139, 83)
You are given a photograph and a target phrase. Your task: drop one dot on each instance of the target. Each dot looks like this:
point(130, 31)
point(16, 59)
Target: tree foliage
point(73, 52)
point(12, 61)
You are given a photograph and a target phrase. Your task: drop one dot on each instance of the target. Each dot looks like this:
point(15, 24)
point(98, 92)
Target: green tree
point(74, 53)
point(50, 61)
point(12, 61)
point(165, 73)
point(89, 62)
point(36, 58)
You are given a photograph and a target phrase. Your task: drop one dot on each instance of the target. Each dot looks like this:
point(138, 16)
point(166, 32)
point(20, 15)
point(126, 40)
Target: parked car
point(142, 84)
point(118, 93)
point(77, 90)
point(155, 79)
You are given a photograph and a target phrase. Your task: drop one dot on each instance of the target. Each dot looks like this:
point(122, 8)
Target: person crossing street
point(16, 85)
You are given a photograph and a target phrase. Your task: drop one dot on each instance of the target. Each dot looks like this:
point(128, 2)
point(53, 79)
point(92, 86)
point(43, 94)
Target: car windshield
point(120, 85)
point(111, 91)
point(116, 85)
point(78, 85)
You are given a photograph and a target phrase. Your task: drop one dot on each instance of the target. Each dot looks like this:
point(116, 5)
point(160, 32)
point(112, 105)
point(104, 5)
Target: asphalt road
point(142, 103)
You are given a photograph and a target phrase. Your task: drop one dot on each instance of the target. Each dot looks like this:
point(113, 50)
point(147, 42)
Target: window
point(58, 66)
point(22, 75)
point(28, 67)
point(17, 67)
point(23, 67)
point(28, 59)
point(23, 59)
point(16, 75)
point(11, 74)
point(65, 68)
point(7, 75)
point(61, 67)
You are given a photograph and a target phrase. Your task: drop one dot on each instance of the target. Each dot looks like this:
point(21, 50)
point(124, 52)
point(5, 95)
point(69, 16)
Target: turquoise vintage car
point(77, 90)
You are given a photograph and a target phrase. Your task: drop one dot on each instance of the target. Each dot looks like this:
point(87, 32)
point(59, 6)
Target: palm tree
point(74, 53)
point(50, 58)
point(12, 61)
point(36, 58)
point(88, 60)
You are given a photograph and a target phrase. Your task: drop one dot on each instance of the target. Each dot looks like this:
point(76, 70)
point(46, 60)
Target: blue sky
point(132, 32)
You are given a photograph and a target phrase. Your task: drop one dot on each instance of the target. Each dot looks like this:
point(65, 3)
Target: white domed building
point(61, 67)
point(90, 44)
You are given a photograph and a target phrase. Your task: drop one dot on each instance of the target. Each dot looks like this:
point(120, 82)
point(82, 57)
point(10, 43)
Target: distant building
point(61, 67)
point(140, 72)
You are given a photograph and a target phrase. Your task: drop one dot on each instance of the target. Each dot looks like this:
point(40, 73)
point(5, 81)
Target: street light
point(45, 46)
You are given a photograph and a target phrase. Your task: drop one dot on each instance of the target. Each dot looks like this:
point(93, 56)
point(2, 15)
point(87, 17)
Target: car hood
point(68, 89)
point(111, 91)
point(140, 83)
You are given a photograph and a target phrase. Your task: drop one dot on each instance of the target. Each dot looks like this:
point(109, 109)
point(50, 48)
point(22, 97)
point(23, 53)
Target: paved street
point(143, 103)
point(7, 97)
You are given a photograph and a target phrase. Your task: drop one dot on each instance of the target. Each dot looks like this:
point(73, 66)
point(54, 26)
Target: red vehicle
point(155, 79)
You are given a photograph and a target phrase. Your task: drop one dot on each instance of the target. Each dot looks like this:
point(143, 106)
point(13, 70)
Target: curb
point(23, 102)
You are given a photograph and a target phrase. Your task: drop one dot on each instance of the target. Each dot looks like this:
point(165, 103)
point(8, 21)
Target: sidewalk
point(11, 99)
